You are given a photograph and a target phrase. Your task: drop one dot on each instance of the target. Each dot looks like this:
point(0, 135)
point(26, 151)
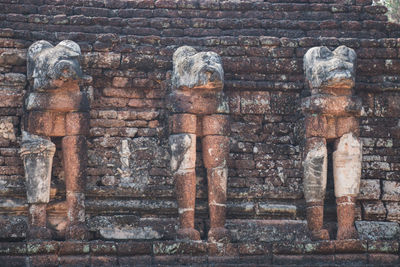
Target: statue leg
point(315, 175)
point(347, 175)
point(37, 154)
point(74, 149)
point(183, 162)
point(215, 155)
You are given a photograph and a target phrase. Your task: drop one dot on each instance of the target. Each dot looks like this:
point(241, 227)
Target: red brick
point(72, 261)
point(383, 259)
point(351, 258)
point(144, 260)
point(106, 261)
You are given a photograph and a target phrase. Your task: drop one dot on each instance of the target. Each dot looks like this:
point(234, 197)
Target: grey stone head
point(50, 66)
point(326, 69)
point(192, 70)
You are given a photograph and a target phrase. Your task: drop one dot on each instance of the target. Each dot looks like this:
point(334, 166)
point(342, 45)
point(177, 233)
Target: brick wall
point(127, 49)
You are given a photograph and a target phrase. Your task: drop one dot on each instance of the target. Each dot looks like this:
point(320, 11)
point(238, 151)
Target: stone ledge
point(126, 253)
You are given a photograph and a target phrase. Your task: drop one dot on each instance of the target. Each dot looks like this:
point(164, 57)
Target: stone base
point(199, 253)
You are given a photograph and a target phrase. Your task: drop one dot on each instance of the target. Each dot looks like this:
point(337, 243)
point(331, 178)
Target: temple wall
point(127, 48)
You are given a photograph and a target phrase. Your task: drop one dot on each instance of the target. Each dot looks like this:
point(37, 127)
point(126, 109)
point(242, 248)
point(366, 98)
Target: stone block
point(215, 125)
point(37, 154)
point(386, 259)
point(215, 151)
point(370, 189)
point(268, 230)
point(277, 210)
point(74, 261)
point(127, 227)
point(373, 230)
point(339, 106)
point(257, 102)
point(129, 261)
point(320, 126)
point(58, 102)
point(373, 210)
point(383, 246)
point(351, 259)
point(183, 123)
point(350, 246)
point(106, 261)
point(391, 190)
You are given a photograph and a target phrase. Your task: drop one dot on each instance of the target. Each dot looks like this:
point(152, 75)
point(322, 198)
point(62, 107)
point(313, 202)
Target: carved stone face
point(50, 67)
point(330, 71)
point(192, 70)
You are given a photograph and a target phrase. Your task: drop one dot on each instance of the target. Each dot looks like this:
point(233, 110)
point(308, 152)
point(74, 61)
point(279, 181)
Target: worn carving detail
point(37, 154)
point(183, 152)
point(326, 69)
point(347, 166)
point(55, 106)
point(197, 83)
point(50, 67)
point(193, 70)
point(331, 115)
point(315, 172)
point(199, 108)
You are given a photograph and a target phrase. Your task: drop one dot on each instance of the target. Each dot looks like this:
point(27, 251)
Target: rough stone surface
point(194, 71)
point(268, 231)
point(37, 154)
point(50, 67)
point(315, 172)
point(7, 129)
point(330, 71)
point(347, 166)
point(127, 47)
point(378, 230)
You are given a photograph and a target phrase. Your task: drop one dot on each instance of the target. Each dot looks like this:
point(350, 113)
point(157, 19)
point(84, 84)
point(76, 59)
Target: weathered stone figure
point(331, 116)
point(199, 108)
point(55, 106)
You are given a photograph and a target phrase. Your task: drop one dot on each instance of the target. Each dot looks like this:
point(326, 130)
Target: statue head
point(328, 70)
point(193, 70)
point(50, 67)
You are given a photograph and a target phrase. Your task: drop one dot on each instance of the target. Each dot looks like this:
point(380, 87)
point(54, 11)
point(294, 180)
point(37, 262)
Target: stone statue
point(331, 116)
point(55, 106)
point(199, 109)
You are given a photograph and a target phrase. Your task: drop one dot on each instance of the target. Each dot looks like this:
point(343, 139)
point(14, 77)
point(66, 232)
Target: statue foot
point(219, 235)
point(39, 233)
point(322, 234)
point(76, 232)
point(347, 233)
point(187, 234)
